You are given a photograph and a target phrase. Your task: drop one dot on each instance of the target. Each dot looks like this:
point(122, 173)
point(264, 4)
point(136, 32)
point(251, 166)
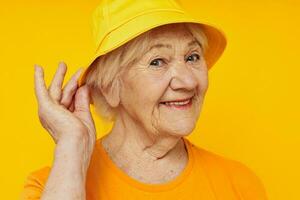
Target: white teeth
point(178, 103)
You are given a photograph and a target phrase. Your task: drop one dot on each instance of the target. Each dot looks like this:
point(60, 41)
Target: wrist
point(74, 151)
point(79, 143)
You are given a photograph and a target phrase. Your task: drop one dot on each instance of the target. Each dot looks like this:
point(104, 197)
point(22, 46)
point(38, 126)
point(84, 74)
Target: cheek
point(202, 78)
point(143, 93)
point(142, 102)
point(152, 88)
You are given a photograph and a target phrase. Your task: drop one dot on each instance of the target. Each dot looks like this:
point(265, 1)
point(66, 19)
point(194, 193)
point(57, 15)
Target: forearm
point(66, 180)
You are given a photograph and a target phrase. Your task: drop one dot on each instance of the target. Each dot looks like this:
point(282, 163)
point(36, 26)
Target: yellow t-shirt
point(207, 176)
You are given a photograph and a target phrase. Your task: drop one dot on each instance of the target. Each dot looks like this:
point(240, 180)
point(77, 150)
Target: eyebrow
point(159, 45)
point(193, 42)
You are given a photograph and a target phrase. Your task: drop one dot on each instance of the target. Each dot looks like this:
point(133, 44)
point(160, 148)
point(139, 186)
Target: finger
point(82, 107)
point(82, 100)
point(57, 81)
point(39, 85)
point(70, 89)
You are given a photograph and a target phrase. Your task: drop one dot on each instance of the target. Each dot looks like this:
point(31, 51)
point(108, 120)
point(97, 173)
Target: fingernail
point(36, 67)
point(79, 71)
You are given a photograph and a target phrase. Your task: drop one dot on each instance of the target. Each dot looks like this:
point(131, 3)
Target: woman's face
point(174, 69)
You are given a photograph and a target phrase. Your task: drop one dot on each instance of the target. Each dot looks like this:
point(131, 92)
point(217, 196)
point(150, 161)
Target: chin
point(181, 129)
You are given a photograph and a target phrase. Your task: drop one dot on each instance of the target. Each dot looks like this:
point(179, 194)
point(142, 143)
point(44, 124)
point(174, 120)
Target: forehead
point(168, 35)
point(159, 38)
point(170, 31)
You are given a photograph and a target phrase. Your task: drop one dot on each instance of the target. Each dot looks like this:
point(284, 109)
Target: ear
point(112, 93)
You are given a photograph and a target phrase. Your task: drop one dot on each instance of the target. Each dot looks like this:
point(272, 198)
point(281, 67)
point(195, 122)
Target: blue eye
point(156, 62)
point(193, 56)
point(159, 61)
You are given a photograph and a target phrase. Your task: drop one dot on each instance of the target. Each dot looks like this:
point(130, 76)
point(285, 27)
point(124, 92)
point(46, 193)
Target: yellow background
point(251, 111)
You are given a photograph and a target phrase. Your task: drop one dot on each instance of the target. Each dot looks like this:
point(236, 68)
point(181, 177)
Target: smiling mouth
point(181, 105)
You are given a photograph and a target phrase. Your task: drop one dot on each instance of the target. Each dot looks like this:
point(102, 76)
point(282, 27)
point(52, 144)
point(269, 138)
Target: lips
point(178, 101)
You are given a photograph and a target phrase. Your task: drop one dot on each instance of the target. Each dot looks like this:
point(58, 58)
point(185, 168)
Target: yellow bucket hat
point(116, 22)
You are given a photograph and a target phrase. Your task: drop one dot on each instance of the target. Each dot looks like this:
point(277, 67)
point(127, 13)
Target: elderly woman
point(149, 75)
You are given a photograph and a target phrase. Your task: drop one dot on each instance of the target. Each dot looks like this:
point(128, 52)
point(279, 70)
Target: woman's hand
point(65, 113)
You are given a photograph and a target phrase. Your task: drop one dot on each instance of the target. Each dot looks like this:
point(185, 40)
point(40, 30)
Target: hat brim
point(141, 24)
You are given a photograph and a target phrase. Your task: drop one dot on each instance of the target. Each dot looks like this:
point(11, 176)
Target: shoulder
point(243, 179)
point(35, 183)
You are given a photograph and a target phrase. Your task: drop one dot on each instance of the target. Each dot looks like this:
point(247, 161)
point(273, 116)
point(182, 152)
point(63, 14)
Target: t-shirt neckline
point(146, 186)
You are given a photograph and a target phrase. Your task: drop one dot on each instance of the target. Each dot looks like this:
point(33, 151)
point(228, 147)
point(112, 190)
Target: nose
point(183, 78)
